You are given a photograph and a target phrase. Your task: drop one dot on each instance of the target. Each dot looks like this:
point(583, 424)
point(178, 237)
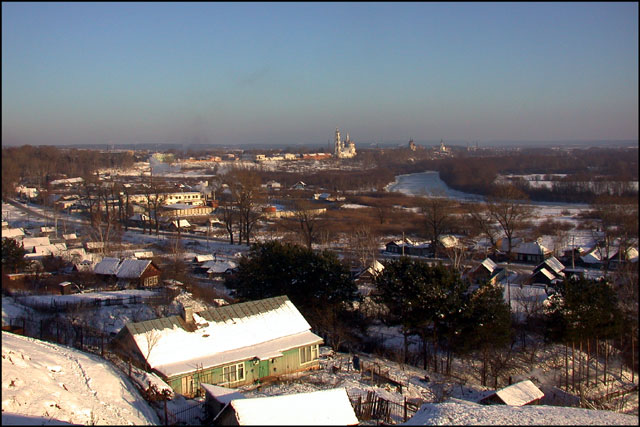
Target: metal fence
point(189, 415)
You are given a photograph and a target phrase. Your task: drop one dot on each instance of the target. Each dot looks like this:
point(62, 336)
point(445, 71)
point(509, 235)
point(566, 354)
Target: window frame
point(308, 354)
point(226, 373)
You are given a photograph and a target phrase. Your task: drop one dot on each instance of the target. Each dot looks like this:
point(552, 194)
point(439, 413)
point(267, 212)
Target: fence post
point(405, 410)
point(166, 422)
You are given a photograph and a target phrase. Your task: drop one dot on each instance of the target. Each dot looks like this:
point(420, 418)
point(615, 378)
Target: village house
point(180, 210)
point(532, 252)
point(322, 407)
point(486, 271)
point(547, 272)
point(408, 247)
point(128, 272)
point(227, 346)
point(518, 394)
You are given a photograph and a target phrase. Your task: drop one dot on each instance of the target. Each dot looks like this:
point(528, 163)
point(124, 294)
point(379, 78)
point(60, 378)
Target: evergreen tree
point(13, 259)
point(485, 325)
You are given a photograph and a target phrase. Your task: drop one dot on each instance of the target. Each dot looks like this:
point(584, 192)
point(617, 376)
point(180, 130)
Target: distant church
point(344, 149)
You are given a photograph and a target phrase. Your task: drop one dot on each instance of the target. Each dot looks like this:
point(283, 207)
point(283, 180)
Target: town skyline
point(289, 73)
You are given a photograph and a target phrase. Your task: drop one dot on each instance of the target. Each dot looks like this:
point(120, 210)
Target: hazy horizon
point(288, 74)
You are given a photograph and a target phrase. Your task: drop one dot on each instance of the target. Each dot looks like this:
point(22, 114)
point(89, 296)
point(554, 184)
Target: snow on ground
point(60, 384)
point(353, 206)
point(460, 412)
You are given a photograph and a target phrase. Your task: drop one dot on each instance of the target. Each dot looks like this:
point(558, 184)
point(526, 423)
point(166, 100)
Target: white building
point(344, 149)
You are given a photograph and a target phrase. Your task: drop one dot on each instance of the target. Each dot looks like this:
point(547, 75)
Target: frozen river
point(427, 184)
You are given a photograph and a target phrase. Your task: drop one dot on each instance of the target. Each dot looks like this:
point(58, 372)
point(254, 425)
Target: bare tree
point(436, 214)
point(507, 207)
point(482, 223)
point(151, 339)
point(246, 192)
point(306, 222)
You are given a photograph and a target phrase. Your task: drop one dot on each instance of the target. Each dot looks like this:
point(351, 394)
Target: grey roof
point(243, 309)
point(132, 268)
point(553, 264)
point(108, 266)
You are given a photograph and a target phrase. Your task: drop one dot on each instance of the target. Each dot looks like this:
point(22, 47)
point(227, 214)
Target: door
point(263, 369)
point(187, 386)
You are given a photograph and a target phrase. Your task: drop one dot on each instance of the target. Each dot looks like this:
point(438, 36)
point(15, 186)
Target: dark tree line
point(37, 165)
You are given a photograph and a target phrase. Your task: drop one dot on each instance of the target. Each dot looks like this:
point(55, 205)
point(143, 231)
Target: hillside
point(45, 383)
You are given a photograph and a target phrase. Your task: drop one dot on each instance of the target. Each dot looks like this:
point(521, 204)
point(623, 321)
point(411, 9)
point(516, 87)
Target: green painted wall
point(287, 363)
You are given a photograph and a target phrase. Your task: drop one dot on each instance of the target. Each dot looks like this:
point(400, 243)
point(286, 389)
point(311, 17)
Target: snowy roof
point(53, 249)
point(182, 223)
point(67, 181)
point(534, 248)
point(519, 394)
point(460, 412)
point(223, 395)
point(107, 266)
point(489, 264)
point(549, 275)
point(94, 245)
point(591, 258)
point(45, 229)
point(180, 206)
point(203, 258)
point(132, 268)
point(552, 264)
point(324, 407)
point(448, 240)
point(227, 333)
point(70, 236)
point(11, 233)
point(218, 266)
point(143, 254)
point(30, 242)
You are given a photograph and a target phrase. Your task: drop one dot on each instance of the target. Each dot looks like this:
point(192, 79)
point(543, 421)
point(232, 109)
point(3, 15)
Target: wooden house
point(408, 247)
point(547, 272)
point(228, 346)
point(487, 271)
point(323, 407)
point(518, 394)
point(531, 252)
point(129, 272)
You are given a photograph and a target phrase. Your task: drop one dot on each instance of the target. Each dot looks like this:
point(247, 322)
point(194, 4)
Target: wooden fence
point(371, 407)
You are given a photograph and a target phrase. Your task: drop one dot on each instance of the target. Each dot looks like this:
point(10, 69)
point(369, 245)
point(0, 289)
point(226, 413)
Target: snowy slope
point(460, 412)
point(48, 383)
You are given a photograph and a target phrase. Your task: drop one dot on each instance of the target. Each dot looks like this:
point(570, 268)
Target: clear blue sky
point(289, 73)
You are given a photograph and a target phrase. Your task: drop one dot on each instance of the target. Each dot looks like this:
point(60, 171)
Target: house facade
point(227, 346)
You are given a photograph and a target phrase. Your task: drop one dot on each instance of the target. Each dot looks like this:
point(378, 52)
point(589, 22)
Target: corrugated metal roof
point(108, 266)
point(132, 268)
point(554, 264)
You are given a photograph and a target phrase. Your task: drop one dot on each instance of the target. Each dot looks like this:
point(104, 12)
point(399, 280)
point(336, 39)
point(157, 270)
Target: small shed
point(216, 398)
point(518, 394)
point(324, 407)
point(65, 288)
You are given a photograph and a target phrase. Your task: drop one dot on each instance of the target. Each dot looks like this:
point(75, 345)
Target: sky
point(290, 73)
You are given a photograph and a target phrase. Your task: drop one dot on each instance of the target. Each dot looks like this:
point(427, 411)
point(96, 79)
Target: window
point(233, 373)
point(150, 281)
point(308, 354)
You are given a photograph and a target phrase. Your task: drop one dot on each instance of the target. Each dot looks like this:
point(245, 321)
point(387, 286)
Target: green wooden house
point(228, 346)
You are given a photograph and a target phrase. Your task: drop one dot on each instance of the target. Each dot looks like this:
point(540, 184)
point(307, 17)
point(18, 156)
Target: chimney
point(187, 313)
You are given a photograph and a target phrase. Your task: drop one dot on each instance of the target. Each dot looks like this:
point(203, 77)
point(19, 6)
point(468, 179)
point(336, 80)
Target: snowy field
point(45, 383)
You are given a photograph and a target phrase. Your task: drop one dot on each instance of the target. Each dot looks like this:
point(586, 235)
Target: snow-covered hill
point(461, 412)
point(45, 383)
